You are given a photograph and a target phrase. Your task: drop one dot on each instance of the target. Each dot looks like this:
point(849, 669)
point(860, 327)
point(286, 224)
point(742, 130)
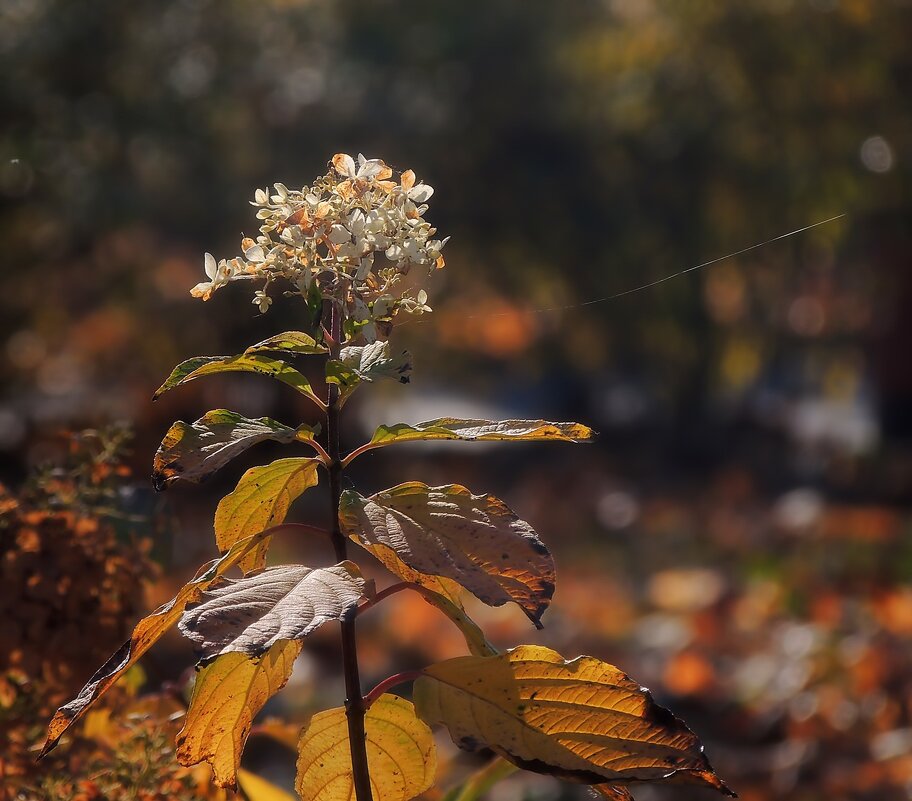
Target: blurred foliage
point(748, 556)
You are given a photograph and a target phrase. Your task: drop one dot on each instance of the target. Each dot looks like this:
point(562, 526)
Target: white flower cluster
point(355, 232)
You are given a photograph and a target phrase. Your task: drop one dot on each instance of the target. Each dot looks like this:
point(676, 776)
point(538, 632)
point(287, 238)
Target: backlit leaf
point(482, 780)
point(144, 635)
point(261, 500)
point(401, 754)
point(256, 788)
point(475, 540)
point(194, 451)
point(582, 720)
point(256, 363)
point(227, 695)
point(365, 363)
point(251, 614)
point(489, 430)
point(295, 343)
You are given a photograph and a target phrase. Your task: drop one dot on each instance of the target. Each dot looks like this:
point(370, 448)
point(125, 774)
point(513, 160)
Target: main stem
point(354, 702)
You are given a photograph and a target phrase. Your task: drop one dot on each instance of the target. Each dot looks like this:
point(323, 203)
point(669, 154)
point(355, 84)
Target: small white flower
point(366, 169)
point(261, 299)
point(219, 274)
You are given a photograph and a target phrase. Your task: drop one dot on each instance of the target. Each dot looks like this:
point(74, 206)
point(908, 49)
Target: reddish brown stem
point(392, 681)
point(384, 593)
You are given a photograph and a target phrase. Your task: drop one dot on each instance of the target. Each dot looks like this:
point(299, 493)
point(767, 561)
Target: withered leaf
point(260, 500)
point(227, 695)
point(144, 635)
point(194, 451)
point(582, 720)
point(264, 365)
point(401, 754)
point(249, 615)
point(475, 540)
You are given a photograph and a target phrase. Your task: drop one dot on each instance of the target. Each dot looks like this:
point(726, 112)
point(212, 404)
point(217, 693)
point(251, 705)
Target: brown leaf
point(475, 540)
point(251, 614)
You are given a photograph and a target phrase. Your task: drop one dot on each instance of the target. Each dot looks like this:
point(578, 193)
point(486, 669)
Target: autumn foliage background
point(739, 537)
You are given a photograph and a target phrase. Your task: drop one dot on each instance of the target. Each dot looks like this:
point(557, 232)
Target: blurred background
point(739, 537)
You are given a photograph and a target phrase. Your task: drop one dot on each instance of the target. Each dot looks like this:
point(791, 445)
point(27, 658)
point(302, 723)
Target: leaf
point(582, 720)
point(144, 635)
point(401, 754)
point(227, 695)
point(475, 540)
point(249, 615)
point(365, 363)
point(482, 780)
point(294, 343)
point(195, 451)
point(256, 788)
point(210, 365)
point(260, 500)
point(442, 593)
point(487, 430)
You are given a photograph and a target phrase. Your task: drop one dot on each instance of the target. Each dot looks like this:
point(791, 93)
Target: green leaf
point(581, 720)
point(145, 634)
point(475, 540)
point(365, 363)
point(261, 500)
point(194, 451)
point(485, 430)
point(264, 365)
point(401, 753)
point(251, 614)
point(295, 343)
point(227, 695)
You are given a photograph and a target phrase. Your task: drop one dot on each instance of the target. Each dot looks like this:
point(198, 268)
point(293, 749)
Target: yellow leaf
point(199, 366)
point(226, 697)
point(256, 788)
point(144, 636)
point(261, 500)
point(582, 720)
point(475, 540)
point(401, 754)
point(295, 343)
point(472, 430)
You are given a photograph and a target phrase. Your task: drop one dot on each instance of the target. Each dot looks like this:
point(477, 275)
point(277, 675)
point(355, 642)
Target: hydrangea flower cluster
point(352, 235)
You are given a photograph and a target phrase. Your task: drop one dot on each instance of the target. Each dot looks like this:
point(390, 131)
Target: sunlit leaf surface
point(260, 500)
point(582, 720)
point(193, 451)
point(249, 615)
point(475, 540)
point(295, 343)
point(227, 695)
point(401, 754)
point(264, 365)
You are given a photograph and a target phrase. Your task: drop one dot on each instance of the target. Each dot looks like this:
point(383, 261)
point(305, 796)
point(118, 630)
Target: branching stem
point(392, 681)
point(354, 703)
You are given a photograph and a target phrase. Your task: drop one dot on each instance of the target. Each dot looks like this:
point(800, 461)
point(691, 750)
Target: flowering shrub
point(345, 244)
